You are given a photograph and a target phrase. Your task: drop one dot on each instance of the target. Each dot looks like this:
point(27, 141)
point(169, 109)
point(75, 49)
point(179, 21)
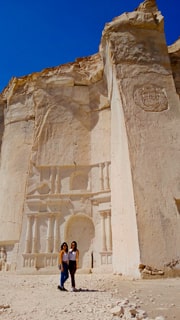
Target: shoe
point(74, 290)
point(60, 288)
point(64, 289)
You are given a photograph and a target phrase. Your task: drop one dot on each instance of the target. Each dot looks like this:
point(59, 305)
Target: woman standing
point(73, 263)
point(63, 265)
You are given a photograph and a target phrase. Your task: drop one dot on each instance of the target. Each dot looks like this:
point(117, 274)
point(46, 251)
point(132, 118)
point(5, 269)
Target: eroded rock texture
point(174, 53)
point(90, 152)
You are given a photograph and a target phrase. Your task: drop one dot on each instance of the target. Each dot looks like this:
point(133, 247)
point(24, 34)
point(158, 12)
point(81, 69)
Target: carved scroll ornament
point(151, 98)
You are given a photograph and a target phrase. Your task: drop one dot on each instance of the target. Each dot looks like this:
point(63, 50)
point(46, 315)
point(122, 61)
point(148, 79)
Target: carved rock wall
point(15, 154)
point(61, 119)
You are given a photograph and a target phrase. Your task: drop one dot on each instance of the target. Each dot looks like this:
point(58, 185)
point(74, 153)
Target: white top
point(72, 255)
point(65, 257)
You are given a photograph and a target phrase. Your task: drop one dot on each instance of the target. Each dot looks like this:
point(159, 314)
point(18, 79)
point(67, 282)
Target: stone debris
point(3, 307)
point(123, 309)
point(172, 263)
point(126, 310)
point(150, 270)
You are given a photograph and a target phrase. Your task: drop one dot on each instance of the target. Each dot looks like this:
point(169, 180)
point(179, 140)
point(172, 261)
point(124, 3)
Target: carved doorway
point(81, 229)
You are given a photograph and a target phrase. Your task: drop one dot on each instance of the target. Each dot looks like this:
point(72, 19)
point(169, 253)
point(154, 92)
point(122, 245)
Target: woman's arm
point(61, 259)
point(77, 258)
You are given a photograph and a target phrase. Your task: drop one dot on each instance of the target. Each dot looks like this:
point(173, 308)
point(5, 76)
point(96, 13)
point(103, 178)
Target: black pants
point(72, 270)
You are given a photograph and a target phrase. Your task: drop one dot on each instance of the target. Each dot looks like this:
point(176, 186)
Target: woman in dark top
point(73, 263)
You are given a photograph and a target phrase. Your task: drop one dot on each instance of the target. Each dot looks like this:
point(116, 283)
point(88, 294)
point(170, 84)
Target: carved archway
point(80, 228)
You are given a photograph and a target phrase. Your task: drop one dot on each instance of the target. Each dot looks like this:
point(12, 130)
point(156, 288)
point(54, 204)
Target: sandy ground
point(26, 297)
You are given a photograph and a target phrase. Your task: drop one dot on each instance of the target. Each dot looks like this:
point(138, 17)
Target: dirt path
point(26, 297)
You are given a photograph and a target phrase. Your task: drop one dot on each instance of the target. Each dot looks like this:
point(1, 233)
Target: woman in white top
point(63, 265)
point(73, 263)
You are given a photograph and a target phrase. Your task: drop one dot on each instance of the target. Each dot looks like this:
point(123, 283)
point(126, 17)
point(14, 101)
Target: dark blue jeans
point(64, 274)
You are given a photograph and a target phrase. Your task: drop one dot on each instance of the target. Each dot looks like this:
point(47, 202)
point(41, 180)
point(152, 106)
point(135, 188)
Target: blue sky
point(38, 34)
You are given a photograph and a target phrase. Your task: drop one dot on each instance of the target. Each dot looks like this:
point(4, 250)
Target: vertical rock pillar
point(145, 112)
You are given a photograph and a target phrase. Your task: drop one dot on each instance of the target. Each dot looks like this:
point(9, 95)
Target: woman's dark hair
point(64, 243)
point(75, 245)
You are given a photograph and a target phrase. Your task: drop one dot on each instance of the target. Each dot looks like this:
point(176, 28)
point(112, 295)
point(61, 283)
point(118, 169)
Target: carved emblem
point(151, 98)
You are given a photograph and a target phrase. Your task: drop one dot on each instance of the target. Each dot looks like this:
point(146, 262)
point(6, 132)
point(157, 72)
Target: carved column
point(106, 176)
point(49, 236)
point(109, 231)
point(56, 234)
point(52, 180)
point(57, 181)
point(101, 176)
point(34, 240)
point(103, 232)
point(28, 235)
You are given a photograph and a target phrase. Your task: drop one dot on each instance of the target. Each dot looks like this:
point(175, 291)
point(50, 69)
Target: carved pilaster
point(56, 234)
point(49, 236)
point(34, 240)
point(106, 176)
point(101, 176)
point(109, 231)
point(57, 181)
point(52, 180)
point(28, 235)
point(103, 232)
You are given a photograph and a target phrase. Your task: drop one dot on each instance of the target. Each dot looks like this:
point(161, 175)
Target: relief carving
point(151, 98)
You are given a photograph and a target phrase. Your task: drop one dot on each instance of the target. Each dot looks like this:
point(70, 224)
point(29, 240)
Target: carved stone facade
point(90, 152)
point(64, 203)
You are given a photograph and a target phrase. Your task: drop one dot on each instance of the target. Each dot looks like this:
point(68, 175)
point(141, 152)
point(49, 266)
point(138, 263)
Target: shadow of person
point(88, 290)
